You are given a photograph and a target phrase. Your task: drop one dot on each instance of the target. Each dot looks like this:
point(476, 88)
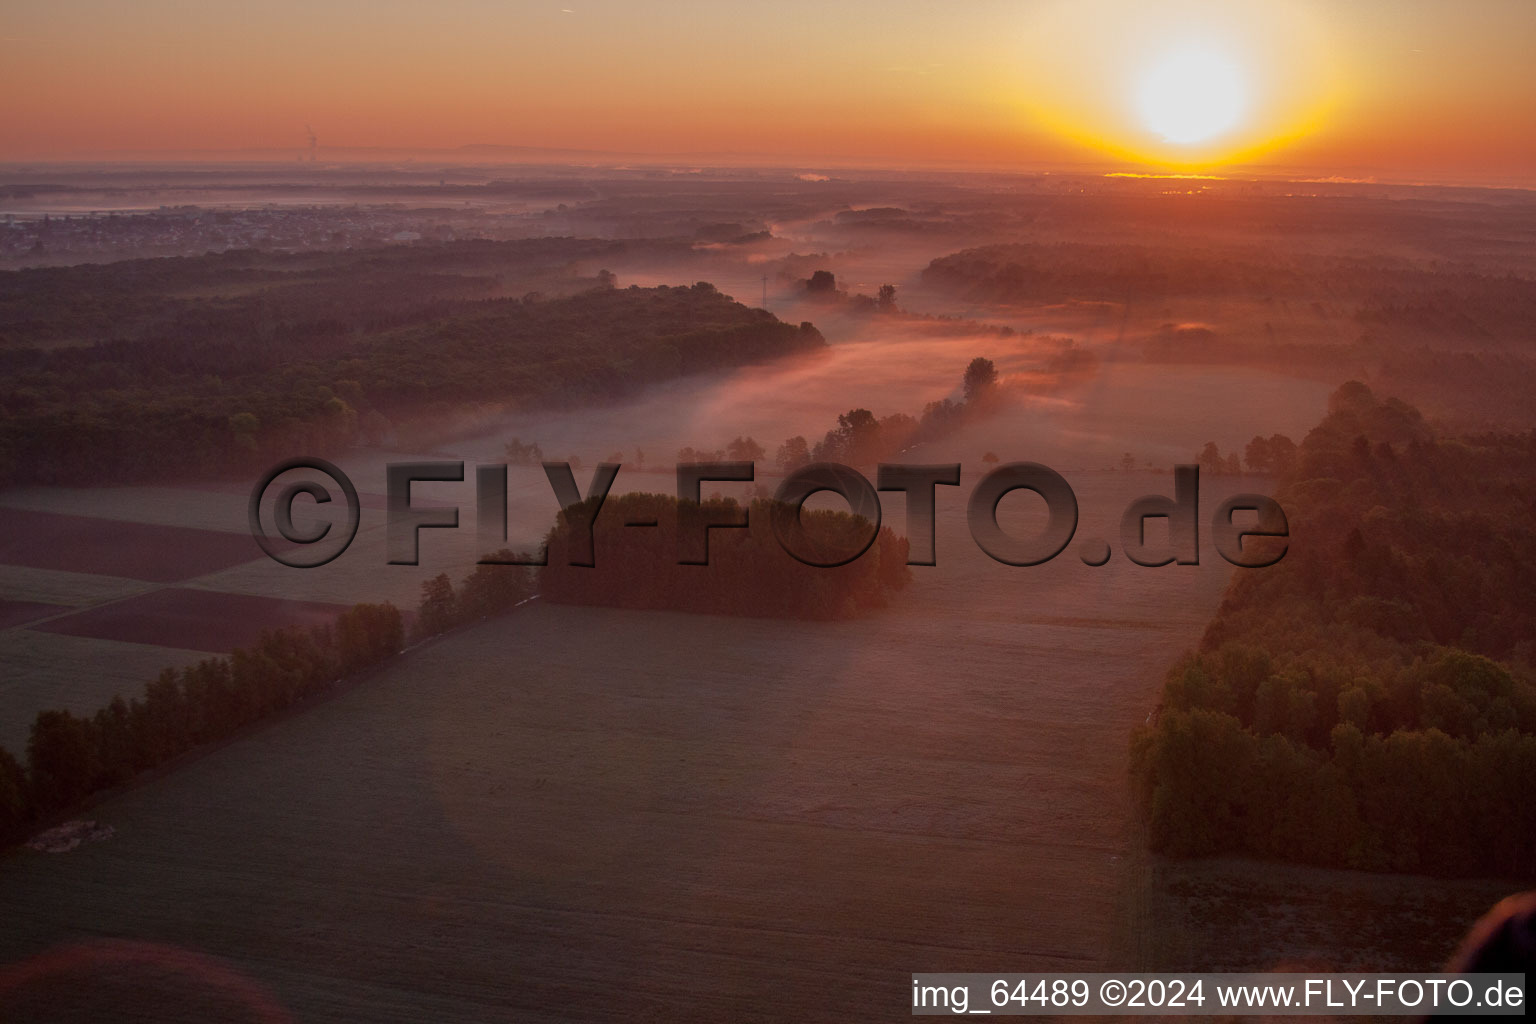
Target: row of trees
point(493, 587)
point(1370, 701)
point(71, 756)
point(861, 438)
point(1274, 455)
point(822, 286)
point(740, 449)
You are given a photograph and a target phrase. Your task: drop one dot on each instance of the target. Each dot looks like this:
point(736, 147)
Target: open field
point(592, 814)
point(159, 554)
point(622, 809)
point(17, 613)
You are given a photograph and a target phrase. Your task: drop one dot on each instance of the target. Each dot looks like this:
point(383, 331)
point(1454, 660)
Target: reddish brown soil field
point(14, 613)
point(108, 547)
point(365, 499)
point(197, 620)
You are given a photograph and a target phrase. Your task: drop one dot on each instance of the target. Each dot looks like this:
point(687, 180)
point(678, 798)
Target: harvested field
point(68, 589)
point(160, 554)
point(192, 507)
point(199, 620)
point(15, 613)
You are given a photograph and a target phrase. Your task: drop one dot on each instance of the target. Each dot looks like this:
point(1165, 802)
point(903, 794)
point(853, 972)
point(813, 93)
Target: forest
point(148, 368)
point(748, 572)
point(1370, 701)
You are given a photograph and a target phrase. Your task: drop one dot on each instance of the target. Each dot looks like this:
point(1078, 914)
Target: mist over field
point(484, 804)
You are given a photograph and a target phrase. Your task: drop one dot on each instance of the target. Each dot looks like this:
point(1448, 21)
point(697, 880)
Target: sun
point(1179, 85)
point(1192, 94)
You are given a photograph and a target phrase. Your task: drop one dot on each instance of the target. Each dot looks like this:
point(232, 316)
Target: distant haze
point(1421, 91)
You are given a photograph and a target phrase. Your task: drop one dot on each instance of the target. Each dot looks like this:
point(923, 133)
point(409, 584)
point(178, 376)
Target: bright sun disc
point(1191, 95)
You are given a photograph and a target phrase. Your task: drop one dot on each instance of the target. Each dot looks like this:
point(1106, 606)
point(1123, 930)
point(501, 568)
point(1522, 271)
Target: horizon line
point(700, 161)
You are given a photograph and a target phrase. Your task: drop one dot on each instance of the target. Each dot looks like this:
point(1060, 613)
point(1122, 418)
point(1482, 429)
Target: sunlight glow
point(1192, 94)
point(1182, 85)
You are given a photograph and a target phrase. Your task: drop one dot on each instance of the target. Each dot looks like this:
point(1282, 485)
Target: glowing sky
point(1406, 88)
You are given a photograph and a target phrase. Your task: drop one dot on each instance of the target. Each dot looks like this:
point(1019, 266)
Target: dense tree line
point(493, 587)
point(148, 368)
point(749, 573)
point(71, 756)
point(860, 438)
point(1370, 701)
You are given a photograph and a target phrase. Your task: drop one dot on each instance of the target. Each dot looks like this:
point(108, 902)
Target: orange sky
point(1418, 89)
